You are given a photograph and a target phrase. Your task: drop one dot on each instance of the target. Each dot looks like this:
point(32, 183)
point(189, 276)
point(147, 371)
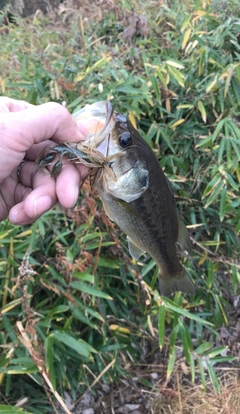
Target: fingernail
point(14, 219)
point(75, 195)
point(41, 204)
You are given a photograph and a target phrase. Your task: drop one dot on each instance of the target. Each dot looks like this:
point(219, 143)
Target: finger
point(11, 193)
point(39, 197)
point(17, 215)
point(3, 208)
point(36, 202)
point(83, 171)
point(46, 190)
point(70, 175)
point(12, 105)
point(39, 150)
point(42, 197)
point(43, 122)
point(68, 183)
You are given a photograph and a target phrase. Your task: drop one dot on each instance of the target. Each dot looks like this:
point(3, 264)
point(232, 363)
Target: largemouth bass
point(136, 194)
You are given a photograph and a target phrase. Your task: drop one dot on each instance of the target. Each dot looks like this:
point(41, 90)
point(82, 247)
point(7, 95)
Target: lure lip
point(91, 117)
point(98, 112)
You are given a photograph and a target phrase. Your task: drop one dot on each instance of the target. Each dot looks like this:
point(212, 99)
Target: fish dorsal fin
point(183, 236)
point(134, 250)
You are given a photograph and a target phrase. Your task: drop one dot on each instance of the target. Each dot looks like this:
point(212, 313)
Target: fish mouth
point(99, 121)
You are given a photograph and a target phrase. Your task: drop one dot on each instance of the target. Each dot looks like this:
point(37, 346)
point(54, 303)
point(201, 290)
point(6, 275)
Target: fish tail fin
point(181, 282)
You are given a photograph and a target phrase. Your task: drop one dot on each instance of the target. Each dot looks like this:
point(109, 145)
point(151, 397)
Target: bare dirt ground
point(130, 396)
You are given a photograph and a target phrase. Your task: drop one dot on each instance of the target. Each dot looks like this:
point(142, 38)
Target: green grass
point(83, 308)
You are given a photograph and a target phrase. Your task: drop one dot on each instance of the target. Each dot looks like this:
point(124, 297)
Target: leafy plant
point(73, 307)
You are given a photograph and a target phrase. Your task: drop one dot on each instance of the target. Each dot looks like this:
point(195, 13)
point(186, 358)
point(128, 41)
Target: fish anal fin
point(179, 283)
point(183, 236)
point(134, 250)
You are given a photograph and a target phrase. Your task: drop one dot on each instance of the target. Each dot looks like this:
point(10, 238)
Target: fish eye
point(125, 139)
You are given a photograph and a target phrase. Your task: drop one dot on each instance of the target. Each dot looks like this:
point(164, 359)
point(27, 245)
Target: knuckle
point(58, 110)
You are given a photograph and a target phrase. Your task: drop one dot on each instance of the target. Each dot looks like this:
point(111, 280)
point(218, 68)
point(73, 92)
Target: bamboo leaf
point(222, 359)
point(223, 203)
point(187, 106)
point(173, 336)
point(77, 345)
point(185, 341)
point(132, 118)
point(166, 138)
point(231, 181)
point(49, 358)
point(219, 127)
point(192, 367)
point(203, 348)
point(161, 325)
point(149, 266)
point(175, 64)
point(202, 110)
point(217, 351)
point(89, 289)
point(7, 409)
point(202, 373)
point(179, 122)
point(119, 329)
point(186, 38)
point(214, 194)
point(184, 312)
point(11, 305)
point(176, 75)
point(186, 23)
point(171, 363)
point(228, 80)
point(211, 85)
point(109, 264)
point(21, 369)
point(204, 141)
point(213, 378)
point(221, 149)
point(213, 183)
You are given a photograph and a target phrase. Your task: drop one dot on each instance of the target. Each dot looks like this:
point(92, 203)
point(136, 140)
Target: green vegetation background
point(174, 68)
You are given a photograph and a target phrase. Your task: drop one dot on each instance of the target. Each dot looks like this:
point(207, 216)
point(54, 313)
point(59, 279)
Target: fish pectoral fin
point(134, 250)
point(183, 236)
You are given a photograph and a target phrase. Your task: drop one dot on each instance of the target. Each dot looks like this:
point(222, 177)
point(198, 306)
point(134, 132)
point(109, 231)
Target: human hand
point(25, 130)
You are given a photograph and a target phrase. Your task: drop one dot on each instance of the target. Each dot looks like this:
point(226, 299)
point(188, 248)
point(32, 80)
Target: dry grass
point(193, 400)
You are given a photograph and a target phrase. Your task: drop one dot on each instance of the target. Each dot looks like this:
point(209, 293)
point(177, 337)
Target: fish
point(136, 194)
